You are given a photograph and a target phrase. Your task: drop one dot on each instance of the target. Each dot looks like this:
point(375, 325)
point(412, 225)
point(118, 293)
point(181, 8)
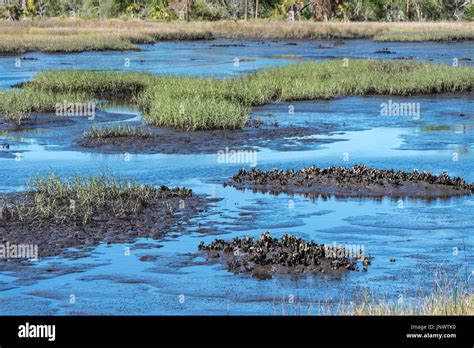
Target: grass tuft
point(78, 200)
point(106, 132)
point(438, 303)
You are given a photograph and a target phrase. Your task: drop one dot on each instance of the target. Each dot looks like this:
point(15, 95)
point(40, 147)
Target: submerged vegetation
point(208, 103)
point(84, 35)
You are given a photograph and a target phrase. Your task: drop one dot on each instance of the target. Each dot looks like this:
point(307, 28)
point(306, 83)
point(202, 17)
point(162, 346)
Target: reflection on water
point(316, 196)
point(420, 235)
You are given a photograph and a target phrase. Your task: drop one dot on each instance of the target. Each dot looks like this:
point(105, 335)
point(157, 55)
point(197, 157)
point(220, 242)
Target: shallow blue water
point(428, 239)
point(201, 58)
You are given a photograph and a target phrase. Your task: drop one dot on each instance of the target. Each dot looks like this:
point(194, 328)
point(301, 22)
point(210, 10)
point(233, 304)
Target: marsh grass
point(307, 81)
point(97, 83)
point(18, 106)
point(71, 35)
point(411, 32)
point(107, 132)
point(69, 44)
point(79, 200)
point(207, 103)
point(192, 103)
point(452, 296)
point(438, 303)
point(75, 35)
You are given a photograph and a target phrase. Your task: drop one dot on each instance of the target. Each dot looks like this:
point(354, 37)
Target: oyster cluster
point(358, 174)
point(288, 254)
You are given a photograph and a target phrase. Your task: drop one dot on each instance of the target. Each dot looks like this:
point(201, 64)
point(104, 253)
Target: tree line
point(318, 10)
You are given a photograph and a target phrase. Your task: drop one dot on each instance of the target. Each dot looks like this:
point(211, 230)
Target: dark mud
point(50, 120)
point(172, 141)
point(229, 45)
point(68, 132)
point(404, 58)
point(164, 214)
point(269, 256)
point(356, 181)
point(384, 51)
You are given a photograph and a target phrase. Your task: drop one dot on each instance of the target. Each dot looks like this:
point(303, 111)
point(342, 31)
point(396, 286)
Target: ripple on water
point(420, 236)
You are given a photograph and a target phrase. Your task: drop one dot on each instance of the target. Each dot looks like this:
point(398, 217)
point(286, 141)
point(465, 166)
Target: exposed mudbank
point(288, 255)
point(68, 132)
point(52, 120)
point(172, 141)
point(384, 51)
point(168, 210)
point(356, 181)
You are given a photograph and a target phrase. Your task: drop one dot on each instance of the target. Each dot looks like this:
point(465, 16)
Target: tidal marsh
point(84, 211)
point(207, 103)
point(418, 236)
point(74, 35)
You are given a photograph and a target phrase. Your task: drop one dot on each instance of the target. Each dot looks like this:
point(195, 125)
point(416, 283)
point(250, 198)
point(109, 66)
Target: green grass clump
point(438, 303)
point(97, 83)
point(106, 132)
point(17, 106)
point(78, 200)
point(193, 112)
point(307, 81)
point(192, 103)
point(207, 103)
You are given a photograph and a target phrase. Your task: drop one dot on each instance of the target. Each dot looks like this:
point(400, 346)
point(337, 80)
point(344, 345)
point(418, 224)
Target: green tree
point(12, 12)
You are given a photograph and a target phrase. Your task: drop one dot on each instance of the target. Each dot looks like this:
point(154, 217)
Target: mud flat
point(50, 120)
point(55, 215)
point(356, 181)
point(175, 141)
point(269, 256)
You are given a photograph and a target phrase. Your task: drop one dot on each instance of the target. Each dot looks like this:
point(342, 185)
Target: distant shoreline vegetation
point(192, 103)
point(212, 10)
point(78, 35)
